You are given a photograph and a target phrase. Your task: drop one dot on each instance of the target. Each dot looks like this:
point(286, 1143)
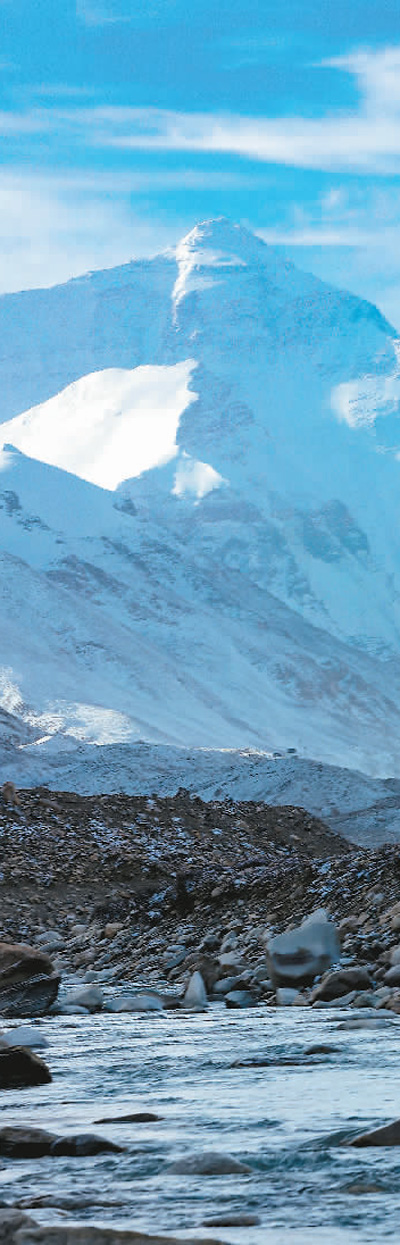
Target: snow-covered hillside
point(199, 517)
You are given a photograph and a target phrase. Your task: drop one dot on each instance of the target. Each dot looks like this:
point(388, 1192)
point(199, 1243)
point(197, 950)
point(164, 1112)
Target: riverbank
point(122, 888)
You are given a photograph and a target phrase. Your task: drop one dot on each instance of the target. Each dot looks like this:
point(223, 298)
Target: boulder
point(18, 961)
point(89, 1234)
point(91, 997)
point(209, 1163)
point(387, 1135)
point(341, 982)
point(392, 977)
point(135, 1003)
point(20, 1067)
point(225, 985)
point(296, 957)
point(286, 995)
point(11, 1221)
point(28, 984)
point(26, 1143)
point(32, 997)
point(239, 998)
point(24, 1035)
point(196, 994)
point(230, 1220)
point(84, 1144)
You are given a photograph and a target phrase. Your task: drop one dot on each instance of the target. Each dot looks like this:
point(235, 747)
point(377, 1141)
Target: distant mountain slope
point(246, 588)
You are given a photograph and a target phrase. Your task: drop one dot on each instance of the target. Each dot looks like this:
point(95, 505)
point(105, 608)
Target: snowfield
point(199, 510)
point(109, 425)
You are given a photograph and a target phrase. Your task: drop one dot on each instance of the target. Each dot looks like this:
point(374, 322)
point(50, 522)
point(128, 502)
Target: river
point(284, 1120)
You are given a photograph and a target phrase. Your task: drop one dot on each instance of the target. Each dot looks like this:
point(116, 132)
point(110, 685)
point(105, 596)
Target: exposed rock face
point(28, 984)
point(20, 1067)
point(296, 957)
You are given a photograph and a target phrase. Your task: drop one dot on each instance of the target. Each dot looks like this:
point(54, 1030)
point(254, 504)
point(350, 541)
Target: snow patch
point(194, 478)
point(360, 402)
point(107, 426)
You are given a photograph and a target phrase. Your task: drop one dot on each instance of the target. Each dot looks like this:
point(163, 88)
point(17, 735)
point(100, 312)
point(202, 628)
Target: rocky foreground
point(150, 891)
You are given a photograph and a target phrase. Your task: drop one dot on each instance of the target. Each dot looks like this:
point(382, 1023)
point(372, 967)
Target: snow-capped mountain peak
point(236, 578)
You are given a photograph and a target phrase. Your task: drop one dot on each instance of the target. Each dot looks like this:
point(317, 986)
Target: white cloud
point(56, 227)
point(366, 139)
point(363, 140)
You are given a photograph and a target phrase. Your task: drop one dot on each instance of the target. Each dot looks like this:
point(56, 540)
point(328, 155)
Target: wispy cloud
point(56, 227)
point(365, 140)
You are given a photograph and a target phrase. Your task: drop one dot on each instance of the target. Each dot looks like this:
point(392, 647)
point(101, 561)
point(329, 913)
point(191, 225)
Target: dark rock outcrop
point(28, 984)
point(20, 1067)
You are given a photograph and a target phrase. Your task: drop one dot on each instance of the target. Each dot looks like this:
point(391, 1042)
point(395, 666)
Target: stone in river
point(296, 957)
point(387, 1135)
point(135, 1117)
point(232, 1221)
point(239, 998)
point(20, 1067)
point(88, 1234)
point(135, 1003)
point(196, 994)
point(285, 996)
point(25, 1143)
point(91, 997)
point(209, 1163)
point(84, 1144)
point(24, 1035)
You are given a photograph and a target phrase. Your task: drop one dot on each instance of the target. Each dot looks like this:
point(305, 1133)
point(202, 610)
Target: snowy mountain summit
point(199, 506)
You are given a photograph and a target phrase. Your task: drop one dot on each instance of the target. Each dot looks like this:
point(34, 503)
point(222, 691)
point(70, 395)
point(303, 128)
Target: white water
point(278, 1119)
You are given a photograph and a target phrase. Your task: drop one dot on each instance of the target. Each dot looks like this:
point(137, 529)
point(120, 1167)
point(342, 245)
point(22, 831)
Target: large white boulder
point(196, 993)
point(296, 957)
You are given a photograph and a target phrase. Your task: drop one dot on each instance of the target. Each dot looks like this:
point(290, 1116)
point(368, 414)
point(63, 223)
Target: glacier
point(199, 482)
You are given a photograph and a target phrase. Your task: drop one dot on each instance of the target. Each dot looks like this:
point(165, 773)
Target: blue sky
point(123, 123)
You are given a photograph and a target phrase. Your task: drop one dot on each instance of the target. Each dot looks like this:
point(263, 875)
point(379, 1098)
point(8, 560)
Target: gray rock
point(32, 997)
point(11, 1223)
point(387, 1135)
point(196, 994)
point(344, 1000)
point(209, 1163)
point(341, 982)
point(135, 1003)
point(20, 1067)
point(225, 985)
point(285, 996)
point(91, 997)
point(232, 1221)
point(88, 1234)
point(296, 957)
point(239, 998)
point(24, 1035)
point(24, 1143)
point(392, 977)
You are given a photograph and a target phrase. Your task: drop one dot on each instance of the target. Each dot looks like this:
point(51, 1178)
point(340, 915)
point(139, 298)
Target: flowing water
point(285, 1120)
